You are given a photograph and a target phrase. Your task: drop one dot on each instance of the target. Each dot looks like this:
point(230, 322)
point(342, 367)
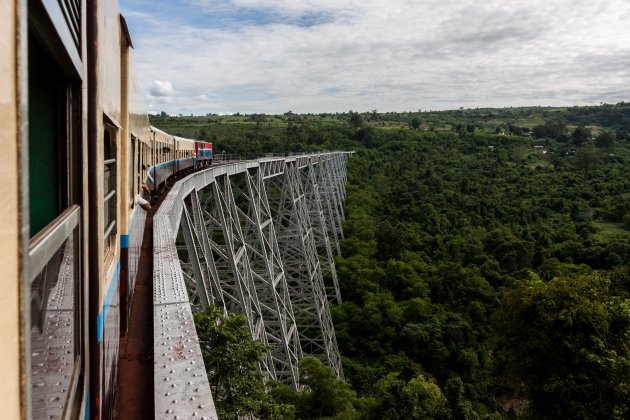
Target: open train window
point(110, 133)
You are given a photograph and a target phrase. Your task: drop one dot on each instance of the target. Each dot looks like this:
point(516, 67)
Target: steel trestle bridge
point(254, 237)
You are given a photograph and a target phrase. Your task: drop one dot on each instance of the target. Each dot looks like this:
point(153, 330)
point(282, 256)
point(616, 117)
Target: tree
point(550, 129)
point(418, 398)
point(232, 358)
point(415, 123)
point(587, 158)
point(326, 395)
point(605, 140)
point(323, 394)
point(567, 341)
point(355, 119)
point(580, 136)
point(203, 134)
point(461, 409)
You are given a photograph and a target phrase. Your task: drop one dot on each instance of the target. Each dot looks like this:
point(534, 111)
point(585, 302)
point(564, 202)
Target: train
point(78, 157)
point(175, 155)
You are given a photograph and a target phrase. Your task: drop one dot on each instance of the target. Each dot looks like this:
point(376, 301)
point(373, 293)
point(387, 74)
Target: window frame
point(111, 196)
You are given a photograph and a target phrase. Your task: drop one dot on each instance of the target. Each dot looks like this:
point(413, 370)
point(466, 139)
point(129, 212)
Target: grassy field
point(610, 230)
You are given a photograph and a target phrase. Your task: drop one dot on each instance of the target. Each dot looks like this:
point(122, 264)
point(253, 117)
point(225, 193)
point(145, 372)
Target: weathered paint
point(10, 360)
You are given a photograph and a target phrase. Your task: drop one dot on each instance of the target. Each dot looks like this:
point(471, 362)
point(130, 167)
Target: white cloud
point(390, 55)
point(280, 7)
point(162, 88)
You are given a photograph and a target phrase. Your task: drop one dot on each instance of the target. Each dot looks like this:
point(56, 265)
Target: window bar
point(109, 195)
point(109, 229)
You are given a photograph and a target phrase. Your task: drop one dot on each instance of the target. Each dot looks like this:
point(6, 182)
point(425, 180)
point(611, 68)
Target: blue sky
point(208, 56)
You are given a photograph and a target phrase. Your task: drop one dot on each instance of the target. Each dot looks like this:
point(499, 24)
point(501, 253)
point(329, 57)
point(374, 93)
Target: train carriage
point(164, 158)
point(77, 152)
point(203, 154)
point(185, 154)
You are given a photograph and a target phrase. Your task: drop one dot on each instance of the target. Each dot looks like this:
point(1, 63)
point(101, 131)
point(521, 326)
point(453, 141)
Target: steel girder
point(206, 287)
point(332, 192)
point(296, 238)
point(260, 239)
point(310, 179)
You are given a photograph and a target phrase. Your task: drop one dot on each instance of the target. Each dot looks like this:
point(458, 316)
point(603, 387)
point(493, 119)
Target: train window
point(132, 170)
point(109, 187)
point(146, 158)
point(138, 168)
point(54, 254)
point(46, 137)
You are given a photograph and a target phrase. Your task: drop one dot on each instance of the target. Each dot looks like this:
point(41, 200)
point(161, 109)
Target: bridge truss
point(257, 238)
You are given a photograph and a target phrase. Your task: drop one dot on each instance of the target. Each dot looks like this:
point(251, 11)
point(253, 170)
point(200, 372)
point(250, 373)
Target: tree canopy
point(484, 268)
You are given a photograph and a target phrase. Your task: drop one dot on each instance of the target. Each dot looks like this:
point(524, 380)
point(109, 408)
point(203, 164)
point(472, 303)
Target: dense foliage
point(482, 276)
point(232, 360)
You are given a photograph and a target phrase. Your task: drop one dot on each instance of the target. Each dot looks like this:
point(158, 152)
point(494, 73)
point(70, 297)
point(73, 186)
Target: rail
point(226, 157)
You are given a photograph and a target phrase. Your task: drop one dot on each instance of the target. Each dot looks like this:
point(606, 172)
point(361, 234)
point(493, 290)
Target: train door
point(54, 327)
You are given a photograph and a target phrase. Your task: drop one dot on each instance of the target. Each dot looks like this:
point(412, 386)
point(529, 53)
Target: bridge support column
point(206, 289)
point(302, 265)
point(310, 180)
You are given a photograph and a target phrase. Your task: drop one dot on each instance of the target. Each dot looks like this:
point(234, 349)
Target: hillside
point(485, 262)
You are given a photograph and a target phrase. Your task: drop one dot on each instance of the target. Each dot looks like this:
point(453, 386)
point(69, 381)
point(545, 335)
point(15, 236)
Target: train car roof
point(157, 130)
point(183, 139)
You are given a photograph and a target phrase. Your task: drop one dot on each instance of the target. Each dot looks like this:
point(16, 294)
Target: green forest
point(485, 270)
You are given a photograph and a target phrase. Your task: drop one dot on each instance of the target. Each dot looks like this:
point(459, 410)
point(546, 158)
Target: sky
point(313, 56)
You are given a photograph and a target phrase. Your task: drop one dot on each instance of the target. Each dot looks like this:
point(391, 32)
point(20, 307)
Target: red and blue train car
point(203, 154)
